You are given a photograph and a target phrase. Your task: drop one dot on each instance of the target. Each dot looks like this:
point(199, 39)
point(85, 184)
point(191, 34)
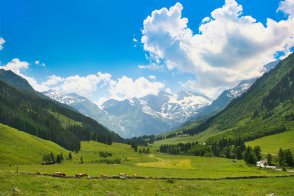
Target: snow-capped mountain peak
point(150, 114)
point(66, 98)
point(242, 87)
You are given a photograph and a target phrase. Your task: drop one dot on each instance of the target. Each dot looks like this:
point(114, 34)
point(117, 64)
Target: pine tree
point(70, 156)
point(251, 159)
point(288, 158)
point(269, 159)
point(58, 159)
point(281, 158)
point(52, 157)
point(257, 151)
point(61, 157)
point(238, 152)
point(247, 152)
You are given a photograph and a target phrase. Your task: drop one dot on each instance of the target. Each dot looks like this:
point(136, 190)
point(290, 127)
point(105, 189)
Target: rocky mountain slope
point(151, 114)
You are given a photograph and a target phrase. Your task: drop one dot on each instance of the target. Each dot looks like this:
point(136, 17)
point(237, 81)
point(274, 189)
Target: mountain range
point(153, 114)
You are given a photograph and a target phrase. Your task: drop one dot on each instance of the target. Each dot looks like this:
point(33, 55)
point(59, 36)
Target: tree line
point(228, 148)
point(51, 158)
point(31, 112)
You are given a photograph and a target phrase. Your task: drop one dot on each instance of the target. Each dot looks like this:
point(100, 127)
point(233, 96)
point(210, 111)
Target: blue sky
point(85, 37)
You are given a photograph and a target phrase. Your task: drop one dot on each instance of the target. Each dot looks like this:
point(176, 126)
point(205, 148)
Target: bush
point(170, 181)
point(105, 154)
point(109, 161)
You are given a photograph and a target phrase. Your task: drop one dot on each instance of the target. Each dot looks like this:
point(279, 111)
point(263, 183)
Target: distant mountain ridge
point(150, 114)
point(227, 96)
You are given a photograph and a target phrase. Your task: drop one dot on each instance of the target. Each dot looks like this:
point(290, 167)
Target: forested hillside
point(266, 108)
point(32, 112)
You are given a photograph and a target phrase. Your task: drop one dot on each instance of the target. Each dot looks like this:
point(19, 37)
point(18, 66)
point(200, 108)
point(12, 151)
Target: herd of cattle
point(81, 175)
point(134, 176)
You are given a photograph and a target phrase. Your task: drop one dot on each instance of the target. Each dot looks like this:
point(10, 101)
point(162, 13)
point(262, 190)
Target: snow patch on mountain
point(65, 98)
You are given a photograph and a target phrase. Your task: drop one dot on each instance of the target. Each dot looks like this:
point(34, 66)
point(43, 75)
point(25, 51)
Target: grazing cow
point(59, 174)
point(123, 175)
point(80, 175)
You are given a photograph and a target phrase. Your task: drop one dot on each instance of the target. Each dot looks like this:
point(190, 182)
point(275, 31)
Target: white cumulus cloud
point(16, 66)
point(125, 87)
point(287, 7)
point(82, 85)
point(152, 66)
point(152, 77)
point(90, 85)
point(229, 46)
point(2, 41)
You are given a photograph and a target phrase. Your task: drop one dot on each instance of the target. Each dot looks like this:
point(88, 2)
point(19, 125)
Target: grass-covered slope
point(32, 112)
point(266, 108)
point(272, 144)
point(18, 147)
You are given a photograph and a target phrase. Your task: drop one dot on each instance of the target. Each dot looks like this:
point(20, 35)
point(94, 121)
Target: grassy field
point(201, 137)
point(17, 147)
point(41, 185)
point(21, 152)
point(272, 144)
point(154, 164)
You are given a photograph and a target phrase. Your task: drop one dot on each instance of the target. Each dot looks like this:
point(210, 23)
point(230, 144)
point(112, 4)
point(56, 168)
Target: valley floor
point(13, 171)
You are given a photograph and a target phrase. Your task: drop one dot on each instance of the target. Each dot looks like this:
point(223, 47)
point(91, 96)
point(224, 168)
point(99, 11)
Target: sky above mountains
point(131, 48)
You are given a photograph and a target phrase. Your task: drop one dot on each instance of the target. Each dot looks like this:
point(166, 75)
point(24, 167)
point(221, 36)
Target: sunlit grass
point(272, 144)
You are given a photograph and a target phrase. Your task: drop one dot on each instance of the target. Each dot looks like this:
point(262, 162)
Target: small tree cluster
point(250, 156)
point(177, 148)
point(228, 148)
point(52, 159)
point(110, 161)
point(143, 150)
point(135, 147)
point(105, 154)
point(269, 159)
point(285, 158)
point(143, 140)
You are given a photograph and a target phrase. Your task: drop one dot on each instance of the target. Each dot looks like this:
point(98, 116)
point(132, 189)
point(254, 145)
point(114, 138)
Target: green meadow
point(272, 144)
point(22, 153)
point(147, 165)
point(18, 147)
point(40, 185)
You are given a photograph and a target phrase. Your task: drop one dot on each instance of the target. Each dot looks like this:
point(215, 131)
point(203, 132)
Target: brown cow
point(80, 175)
point(123, 175)
point(59, 174)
